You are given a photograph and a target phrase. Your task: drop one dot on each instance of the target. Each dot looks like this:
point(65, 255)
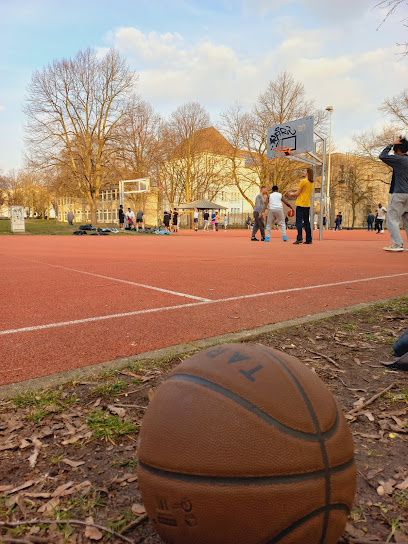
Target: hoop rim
point(285, 150)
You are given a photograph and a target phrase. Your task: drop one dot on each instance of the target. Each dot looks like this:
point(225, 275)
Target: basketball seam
point(244, 480)
point(298, 523)
point(255, 410)
point(319, 436)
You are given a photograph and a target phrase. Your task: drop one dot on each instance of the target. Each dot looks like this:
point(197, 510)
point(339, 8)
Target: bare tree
point(391, 7)
point(283, 100)
point(76, 109)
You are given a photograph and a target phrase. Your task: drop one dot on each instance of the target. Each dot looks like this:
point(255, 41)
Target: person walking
point(380, 218)
point(398, 204)
point(175, 219)
point(216, 221)
point(370, 221)
point(166, 221)
point(121, 217)
point(304, 195)
point(195, 219)
point(337, 223)
point(248, 222)
point(258, 215)
point(275, 213)
point(341, 220)
point(70, 217)
point(225, 221)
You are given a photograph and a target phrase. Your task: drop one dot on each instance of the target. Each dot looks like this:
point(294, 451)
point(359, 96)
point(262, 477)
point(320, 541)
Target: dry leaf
point(369, 416)
point(97, 402)
point(403, 485)
point(353, 531)
point(359, 402)
point(381, 490)
point(150, 394)
point(25, 444)
point(73, 464)
point(5, 488)
point(129, 373)
point(92, 532)
point(121, 412)
point(33, 458)
point(387, 485)
point(49, 506)
point(138, 509)
point(29, 483)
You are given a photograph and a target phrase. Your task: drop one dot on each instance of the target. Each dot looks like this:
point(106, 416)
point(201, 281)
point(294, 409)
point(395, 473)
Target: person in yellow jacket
point(304, 195)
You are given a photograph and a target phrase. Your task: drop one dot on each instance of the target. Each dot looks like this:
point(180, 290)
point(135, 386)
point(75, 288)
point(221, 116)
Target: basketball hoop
point(285, 150)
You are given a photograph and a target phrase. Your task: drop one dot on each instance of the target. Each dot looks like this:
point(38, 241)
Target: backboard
point(297, 135)
point(134, 186)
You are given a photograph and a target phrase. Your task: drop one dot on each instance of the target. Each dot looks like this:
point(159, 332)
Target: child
point(275, 213)
point(216, 221)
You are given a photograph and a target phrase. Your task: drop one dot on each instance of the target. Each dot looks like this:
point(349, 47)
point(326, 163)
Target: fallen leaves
point(91, 532)
point(72, 464)
point(34, 456)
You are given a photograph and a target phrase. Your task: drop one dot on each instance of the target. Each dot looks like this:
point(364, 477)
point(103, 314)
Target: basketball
point(244, 444)
point(291, 213)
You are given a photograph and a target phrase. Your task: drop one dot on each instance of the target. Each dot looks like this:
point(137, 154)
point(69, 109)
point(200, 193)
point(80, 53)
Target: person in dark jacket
point(370, 221)
point(398, 204)
point(121, 217)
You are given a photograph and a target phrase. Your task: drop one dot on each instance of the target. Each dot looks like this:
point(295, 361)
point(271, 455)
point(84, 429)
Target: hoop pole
point(323, 191)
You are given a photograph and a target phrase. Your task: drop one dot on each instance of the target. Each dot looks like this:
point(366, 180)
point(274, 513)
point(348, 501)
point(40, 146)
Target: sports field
point(70, 302)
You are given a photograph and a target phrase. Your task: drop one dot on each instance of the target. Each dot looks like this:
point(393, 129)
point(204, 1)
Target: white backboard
point(297, 135)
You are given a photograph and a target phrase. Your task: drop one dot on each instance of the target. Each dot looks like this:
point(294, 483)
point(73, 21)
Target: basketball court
point(71, 302)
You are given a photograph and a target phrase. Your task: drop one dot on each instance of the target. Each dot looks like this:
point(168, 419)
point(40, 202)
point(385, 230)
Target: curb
point(46, 382)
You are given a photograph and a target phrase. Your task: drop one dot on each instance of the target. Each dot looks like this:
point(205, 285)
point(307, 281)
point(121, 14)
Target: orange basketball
point(291, 213)
point(244, 444)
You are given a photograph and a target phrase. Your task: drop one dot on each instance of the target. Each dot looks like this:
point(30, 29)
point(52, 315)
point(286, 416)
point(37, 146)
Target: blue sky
point(216, 52)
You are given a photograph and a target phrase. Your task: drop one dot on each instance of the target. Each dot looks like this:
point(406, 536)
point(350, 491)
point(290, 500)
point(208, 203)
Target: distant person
point(213, 221)
point(206, 218)
point(337, 223)
point(70, 217)
point(195, 219)
point(275, 213)
point(341, 220)
point(166, 221)
point(398, 204)
point(121, 217)
point(139, 219)
point(304, 195)
point(315, 220)
point(324, 220)
point(370, 221)
point(380, 218)
point(217, 221)
point(175, 220)
point(130, 217)
point(225, 221)
point(258, 215)
point(248, 222)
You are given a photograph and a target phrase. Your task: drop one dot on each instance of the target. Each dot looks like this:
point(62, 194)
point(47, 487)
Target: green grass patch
point(108, 426)
point(54, 227)
point(110, 389)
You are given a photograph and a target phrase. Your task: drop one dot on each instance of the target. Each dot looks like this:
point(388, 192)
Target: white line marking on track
point(192, 304)
point(152, 287)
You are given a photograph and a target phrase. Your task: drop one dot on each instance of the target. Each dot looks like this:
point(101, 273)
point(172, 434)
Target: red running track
point(69, 302)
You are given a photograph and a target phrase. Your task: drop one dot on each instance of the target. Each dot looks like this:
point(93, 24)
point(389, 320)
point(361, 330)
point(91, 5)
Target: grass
point(54, 227)
point(110, 389)
point(106, 426)
point(44, 403)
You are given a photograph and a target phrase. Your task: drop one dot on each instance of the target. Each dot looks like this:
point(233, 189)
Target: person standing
point(139, 220)
point(175, 220)
point(206, 217)
point(130, 217)
point(275, 213)
point(315, 220)
point(325, 220)
point(121, 217)
point(258, 215)
point(225, 221)
point(216, 221)
point(370, 221)
point(337, 223)
point(341, 220)
point(70, 217)
point(166, 221)
point(304, 195)
point(248, 222)
point(195, 219)
point(213, 221)
point(398, 204)
point(380, 217)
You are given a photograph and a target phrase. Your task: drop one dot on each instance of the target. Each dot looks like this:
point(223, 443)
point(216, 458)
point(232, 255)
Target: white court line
point(177, 293)
point(192, 304)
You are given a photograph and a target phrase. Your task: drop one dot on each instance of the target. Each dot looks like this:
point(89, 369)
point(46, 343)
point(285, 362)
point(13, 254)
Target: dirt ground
point(68, 455)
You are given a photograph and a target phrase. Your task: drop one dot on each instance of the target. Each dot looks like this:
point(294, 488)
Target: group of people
point(130, 221)
point(376, 222)
point(274, 205)
point(171, 220)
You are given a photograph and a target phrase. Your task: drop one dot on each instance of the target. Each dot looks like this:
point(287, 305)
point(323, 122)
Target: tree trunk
point(94, 214)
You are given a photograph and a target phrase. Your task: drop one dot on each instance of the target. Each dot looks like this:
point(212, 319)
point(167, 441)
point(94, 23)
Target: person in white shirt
point(225, 221)
point(315, 220)
point(275, 213)
point(379, 218)
point(130, 217)
point(195, 219)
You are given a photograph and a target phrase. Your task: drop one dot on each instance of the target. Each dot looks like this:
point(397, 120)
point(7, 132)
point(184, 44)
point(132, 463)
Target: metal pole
point(312, 203)
point(323, 190)
point(328, 202)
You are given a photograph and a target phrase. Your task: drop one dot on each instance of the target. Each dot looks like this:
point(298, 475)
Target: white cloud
point(2, 108)
point(172, 72)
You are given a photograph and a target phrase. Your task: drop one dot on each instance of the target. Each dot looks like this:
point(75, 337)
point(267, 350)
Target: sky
point(216, 52)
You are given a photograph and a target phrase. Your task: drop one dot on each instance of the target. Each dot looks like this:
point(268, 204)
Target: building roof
point(202, 204)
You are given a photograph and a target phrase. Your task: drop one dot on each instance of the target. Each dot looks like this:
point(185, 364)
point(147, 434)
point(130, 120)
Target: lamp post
point(328, 202)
